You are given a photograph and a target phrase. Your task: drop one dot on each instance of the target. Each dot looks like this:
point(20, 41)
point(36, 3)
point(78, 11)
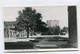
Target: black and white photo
point(40, 27)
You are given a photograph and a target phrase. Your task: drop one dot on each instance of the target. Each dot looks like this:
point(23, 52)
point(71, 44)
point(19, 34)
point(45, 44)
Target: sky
point(48, 13)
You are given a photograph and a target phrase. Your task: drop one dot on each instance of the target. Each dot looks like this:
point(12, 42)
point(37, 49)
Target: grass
point(19, 45)
point(30, 44)
point(56, 39)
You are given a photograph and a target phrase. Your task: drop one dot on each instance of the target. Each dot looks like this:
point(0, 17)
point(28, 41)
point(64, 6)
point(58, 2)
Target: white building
point(52, 23)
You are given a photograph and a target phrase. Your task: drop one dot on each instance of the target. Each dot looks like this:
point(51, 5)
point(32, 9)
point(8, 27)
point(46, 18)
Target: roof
point(8, 23)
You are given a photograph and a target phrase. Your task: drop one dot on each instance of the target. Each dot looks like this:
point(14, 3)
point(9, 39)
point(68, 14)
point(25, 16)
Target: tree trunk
point(27, 34)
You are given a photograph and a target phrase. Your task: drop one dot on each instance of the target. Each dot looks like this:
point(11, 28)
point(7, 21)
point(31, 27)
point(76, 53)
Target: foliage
point(57, 30)
point(30, 20)
point(53, 30)
point(64, 30)
point(50, 31)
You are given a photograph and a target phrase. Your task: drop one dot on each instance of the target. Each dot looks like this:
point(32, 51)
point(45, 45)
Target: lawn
point(39, 41)
point(19, 45)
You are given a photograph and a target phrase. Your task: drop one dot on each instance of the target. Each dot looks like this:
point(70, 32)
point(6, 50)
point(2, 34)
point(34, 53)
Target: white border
point(41, 50)
point(38, 2)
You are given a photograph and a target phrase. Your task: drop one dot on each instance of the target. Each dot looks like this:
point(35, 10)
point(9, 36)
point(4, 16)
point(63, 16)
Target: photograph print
point(40, 27)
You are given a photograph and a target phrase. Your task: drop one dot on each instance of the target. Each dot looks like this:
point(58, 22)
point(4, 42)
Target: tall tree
point(57, 30)
point(29, 20)
point(65, 29)
point(51, 31)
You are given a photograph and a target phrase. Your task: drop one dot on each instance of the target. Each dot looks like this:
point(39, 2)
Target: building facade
point(52, 23)
point(10, 32)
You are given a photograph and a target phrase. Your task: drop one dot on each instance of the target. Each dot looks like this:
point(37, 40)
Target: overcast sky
point(48, 13)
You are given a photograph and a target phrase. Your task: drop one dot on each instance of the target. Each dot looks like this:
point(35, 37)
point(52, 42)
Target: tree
point(29, 20)
point(57, 30)
point(64, 30)
point(50, 31)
